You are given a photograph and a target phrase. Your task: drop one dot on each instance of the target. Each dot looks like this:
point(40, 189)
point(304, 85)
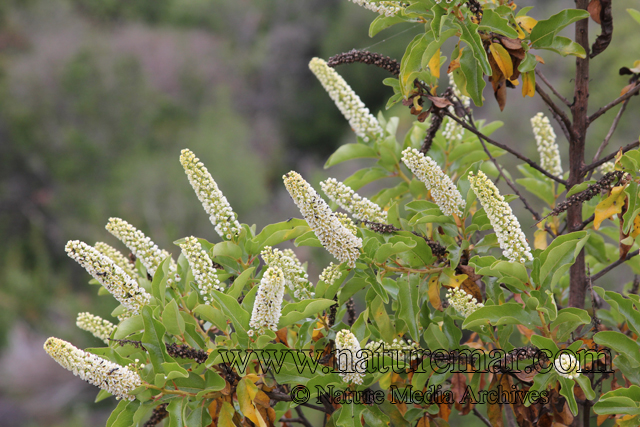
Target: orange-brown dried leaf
point(458, 387)
point(594, 9)
point(434, 293)
point(445, 411)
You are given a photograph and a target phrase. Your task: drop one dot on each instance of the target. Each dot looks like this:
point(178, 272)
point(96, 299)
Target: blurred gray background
point(98, 97)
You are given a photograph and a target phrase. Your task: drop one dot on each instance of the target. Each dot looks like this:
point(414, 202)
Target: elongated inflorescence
point(547, 146)
point(125, 289)
point(117, 257)
point(295, 276)
point(348, 352)
point(363, 123)
point(214, 202)
point(140, 245)
point(202, 267)
point(117, 380)
point(507, 227)
point(96, 325)
point(359, 207)
point(330, 274)
point(443, 191)
point(462, 302)
point(334, 236)
point(267, 306)
point(387, 8)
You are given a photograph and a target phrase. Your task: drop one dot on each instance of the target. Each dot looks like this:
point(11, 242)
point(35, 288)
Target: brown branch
point(610, 157)
point(303, 420)
point(585, 223)
point(365, 57)
point(555, 92)
point(560, 115)
point(614, 265)
point(482, 417)
point(507, 149)
point(606, 24)
point(612, 129)
point(613, 103)
point(283, 397)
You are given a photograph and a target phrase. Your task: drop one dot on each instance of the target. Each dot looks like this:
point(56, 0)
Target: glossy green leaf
point(565, 46)
point(294, 312)
point(620, 343)
point(409, 310)
point(495, 23)
point(172, 320)
point(349, 152)
point(469, 35)
point(545, 31)
point(505, 314)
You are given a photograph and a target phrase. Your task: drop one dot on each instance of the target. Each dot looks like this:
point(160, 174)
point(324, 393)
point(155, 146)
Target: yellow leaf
point(246, 392)
point(514, 82)
point(540, 239)
point(434, 64)
point(635, 232)
point(526, 22)
point(457, 280)
point(225, 419)
point(503, 59)
point(434, 293)
point(529, 84)
point(610, 206)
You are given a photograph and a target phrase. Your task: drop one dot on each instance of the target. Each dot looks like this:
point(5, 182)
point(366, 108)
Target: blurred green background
point(98, 97)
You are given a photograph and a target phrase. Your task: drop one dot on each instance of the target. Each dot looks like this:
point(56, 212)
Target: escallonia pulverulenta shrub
point(464, 310)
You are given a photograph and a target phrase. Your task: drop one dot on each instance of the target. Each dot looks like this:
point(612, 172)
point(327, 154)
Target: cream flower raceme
point(333, 235)
point(295, 276)
point(267, 306)
point(117, 380)
point(125, 289)
point(330, 274)
point(348, 354)
point(214, 202)
point(547, 146)
point(96, 325)
point(462, 302)
point(393, 348)
point(202, 267)
point(117, 257)
point(507, 227)
point(140, 245)
point(443, 191)
point(363, 123)
point(567, 365)
point(453, 131)
point(359, 207)
point(607, 167)
point(387, 8)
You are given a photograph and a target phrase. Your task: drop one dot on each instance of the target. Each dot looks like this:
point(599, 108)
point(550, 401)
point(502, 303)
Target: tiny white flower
point(605, 168)
point(214, 202)
point(330, 274)
point(267, 306)
point(117, 257)
point(360, 207)
point(547, 146)
point(363, 123)
point(334, 236)
point(567, 366)
point(125, 289)
point(296, 278)
point(205, 275)
point(387, 8)
point(347, 349)
point(96, 325)
point(443, 191)
point(462, 302)
point(140, 245)
point(507, 227)
point(117, 380)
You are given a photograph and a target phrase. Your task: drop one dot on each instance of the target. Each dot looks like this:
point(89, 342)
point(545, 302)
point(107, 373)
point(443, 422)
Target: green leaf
point(493, 22)
point(529, 63)
point(566, 390)
point(382, 22)
point(172, 320)
point(388, 249)
point(633, 209)
point(585, 385)
point(568, 320)
point(153, 340)
point(412, 63)
point(175, 409)
point(229, 305)
point(619, 401)
point(544, 343)
point(469, 35)
point(350, 415)
point(541, 189)
point(436, 339)
point(159, 284)
point(129, 326)
point(556, 260)
point(565, 46)
point(227, 249)
point(364, 177)
point(545, 31)
point(473, 74)
point(381, 319)
point(408, 311)
point(122, 416)
point(349, 152)
point(374, 417)
point(505, 314)
point(634, 14)
point(620, 343)
point(625, 307)
point(274, 234)
point(238, 285)
point(294, 312)
point(213, 315)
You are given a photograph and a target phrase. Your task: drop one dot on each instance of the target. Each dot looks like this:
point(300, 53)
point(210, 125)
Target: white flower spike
point(202, 267)
point(387, 8)
point(117, 380)
point(507, 227)
point(334, 236)
point(547, 146)
point(359, 207)
point(125, 289)
point(347, 354)
point(214, 202)
point(462, 302)
point(117, 257)
point(363, 123)
point(443, 191)
point(268, 303)
point(96, 325)
point(295, 276)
